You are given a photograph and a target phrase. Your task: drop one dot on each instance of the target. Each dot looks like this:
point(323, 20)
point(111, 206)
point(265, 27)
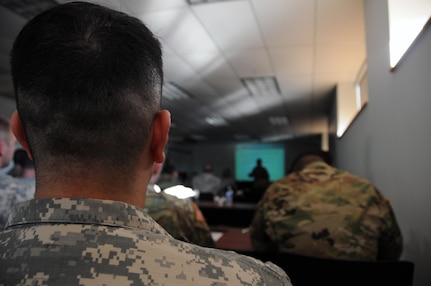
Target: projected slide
point(272, 156)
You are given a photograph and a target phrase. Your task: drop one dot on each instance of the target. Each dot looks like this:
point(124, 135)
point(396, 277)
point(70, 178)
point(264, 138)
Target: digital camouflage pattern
point(94, 242)
point(326, 212)
point(12, 191)
point(181, 218)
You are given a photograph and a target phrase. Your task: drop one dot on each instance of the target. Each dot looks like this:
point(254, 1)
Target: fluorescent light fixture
point(216, 121)
point(279, 120)
point(261, 85)
point(277, 137)
point(181, 192)
point(194, 2)
point(171, 91)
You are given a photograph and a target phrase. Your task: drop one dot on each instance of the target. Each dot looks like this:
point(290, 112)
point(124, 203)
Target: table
point(233, 238)
point(237, 215)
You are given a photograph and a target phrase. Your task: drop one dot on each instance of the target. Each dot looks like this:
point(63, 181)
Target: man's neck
point(133, 194)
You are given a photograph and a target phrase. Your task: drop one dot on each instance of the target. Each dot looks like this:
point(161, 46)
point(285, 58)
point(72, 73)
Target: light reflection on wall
point(406, 20)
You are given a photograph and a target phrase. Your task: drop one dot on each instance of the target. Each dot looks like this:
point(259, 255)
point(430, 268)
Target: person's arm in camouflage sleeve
point(259, 239)
point(390, 240)
point(201, 232)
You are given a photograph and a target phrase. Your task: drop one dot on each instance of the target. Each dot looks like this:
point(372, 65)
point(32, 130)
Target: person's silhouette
point(259, 172)
point(261, 179)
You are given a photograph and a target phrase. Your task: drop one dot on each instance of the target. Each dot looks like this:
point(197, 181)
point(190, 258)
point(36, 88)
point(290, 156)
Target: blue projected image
point(272, 156)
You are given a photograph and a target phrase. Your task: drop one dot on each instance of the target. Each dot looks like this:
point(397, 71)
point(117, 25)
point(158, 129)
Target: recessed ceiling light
point(195, 2)
point(278, 137)
point(172, 91)
point(279, 120)
point(261, 85)
point(216, 121)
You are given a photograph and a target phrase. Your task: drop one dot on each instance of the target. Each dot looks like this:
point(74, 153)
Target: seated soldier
point(318, 210)
point(182, 218)
point(88, 85)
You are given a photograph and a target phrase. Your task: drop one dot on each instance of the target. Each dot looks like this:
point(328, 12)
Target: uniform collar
point(82, 211)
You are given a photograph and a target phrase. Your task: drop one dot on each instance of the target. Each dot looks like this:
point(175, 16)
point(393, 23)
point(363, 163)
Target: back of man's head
point(302, 160)
point(88, 86)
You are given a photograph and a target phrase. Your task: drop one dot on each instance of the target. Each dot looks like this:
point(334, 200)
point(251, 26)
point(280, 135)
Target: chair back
point(307, 270)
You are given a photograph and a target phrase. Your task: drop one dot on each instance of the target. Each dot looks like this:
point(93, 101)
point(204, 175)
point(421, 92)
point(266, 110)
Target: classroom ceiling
point(213, 48)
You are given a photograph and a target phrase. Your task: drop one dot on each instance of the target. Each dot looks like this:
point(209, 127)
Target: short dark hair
point(297, 164)
point(88, 85)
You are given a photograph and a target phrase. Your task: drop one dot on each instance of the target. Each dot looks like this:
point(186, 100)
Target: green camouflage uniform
point(180, 218)
point(12, 191)
point(100, 242)
point(326, 212)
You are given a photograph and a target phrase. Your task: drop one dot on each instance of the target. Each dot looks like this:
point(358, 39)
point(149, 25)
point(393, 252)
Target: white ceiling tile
point(180, 29)
point(329, 78)
point(340, 21)
point(232, 24)
point(250, 63)
point(10, 23)
point(113, 4)
point(200, 89)
point(140, 6)
point(175, 69)
point(339, 58)
point(210, 65)
point(267, 101)
point(166, 49)
point(280, 19)
point(292, 60)
point(248, 108)
point(229, 87)
point(295, 87)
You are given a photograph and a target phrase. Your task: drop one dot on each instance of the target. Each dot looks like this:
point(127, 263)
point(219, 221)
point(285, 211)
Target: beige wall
point(390, 141)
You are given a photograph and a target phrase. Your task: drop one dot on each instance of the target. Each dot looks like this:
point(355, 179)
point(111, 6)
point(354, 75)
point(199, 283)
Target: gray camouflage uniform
point(12, 191)
point(94, 242)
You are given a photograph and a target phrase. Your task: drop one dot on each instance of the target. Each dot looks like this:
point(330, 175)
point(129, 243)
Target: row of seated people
point(319, 217)
point(211, 186)
point(277, 235)
point(322, 211)
point(314, 209)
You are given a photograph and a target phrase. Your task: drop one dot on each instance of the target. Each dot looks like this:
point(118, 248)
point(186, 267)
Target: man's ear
point(160, 135)
point(18, 130)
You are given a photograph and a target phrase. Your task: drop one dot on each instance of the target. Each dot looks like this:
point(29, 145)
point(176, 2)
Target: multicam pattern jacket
point(12, 191)
point(326, 212)
point(181, 218)
point(94, 242)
